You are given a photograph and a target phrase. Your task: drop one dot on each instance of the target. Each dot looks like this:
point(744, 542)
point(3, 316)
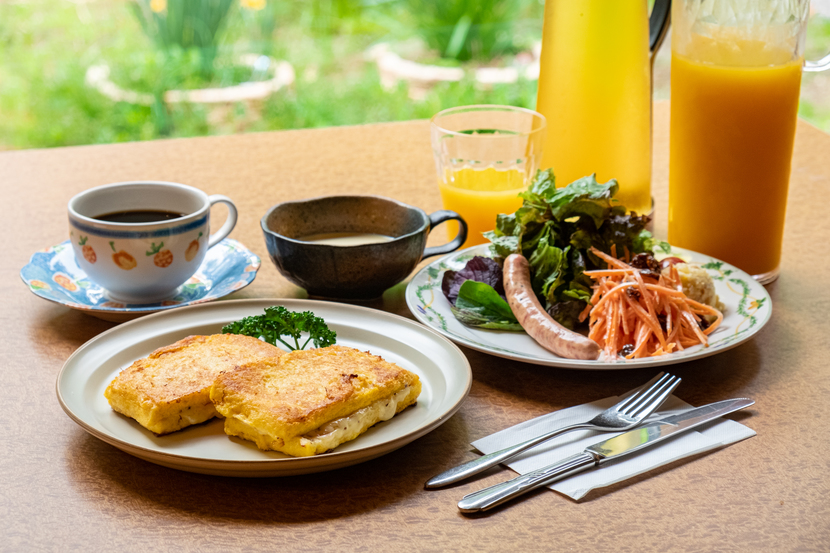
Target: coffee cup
point(141, 240)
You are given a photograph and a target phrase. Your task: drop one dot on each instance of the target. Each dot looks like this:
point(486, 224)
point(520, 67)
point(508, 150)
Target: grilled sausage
point(535, 320)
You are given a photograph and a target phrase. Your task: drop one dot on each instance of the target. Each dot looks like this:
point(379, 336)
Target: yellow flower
point(255, 5)
point(158, 6)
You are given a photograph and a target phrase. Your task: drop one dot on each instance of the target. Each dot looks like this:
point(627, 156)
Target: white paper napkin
point(718, 433)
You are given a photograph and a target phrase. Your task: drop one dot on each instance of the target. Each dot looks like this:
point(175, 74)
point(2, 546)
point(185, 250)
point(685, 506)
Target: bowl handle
point(436, 219)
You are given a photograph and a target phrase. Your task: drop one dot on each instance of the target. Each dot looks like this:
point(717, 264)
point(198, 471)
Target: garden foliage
point(152, 46)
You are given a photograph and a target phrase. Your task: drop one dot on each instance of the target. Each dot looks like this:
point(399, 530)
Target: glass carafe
point(735, 80)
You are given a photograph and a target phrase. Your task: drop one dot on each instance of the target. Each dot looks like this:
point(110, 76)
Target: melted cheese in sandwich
point(326, 437)
point(348, 428)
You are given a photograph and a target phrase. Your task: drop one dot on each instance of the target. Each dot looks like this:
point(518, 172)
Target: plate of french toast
point(307, 387)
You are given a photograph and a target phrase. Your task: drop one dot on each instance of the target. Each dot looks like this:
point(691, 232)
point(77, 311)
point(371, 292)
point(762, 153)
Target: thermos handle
point(658, 24)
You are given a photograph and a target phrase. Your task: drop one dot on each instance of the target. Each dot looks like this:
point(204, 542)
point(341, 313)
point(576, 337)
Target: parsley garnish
point(279, 321)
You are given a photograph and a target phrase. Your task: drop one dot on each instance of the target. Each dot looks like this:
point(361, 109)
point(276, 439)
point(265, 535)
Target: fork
point(632, 410)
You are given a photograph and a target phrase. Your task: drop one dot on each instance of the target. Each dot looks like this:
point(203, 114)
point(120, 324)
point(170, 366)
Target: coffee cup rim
point(424, 219)
point(73, 212)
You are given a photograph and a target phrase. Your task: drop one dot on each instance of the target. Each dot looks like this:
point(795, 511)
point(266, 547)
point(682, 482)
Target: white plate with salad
point(556, 231)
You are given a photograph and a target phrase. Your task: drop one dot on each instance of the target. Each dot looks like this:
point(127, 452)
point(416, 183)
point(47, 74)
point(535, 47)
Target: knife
point(641, 437)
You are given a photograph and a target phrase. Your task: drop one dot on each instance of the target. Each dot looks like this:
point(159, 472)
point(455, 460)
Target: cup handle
point(436, 219)
point(226, 229)
point(820, 65)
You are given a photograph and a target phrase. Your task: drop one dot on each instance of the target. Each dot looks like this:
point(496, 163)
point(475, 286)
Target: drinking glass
point(735, 80)
point(485, 156)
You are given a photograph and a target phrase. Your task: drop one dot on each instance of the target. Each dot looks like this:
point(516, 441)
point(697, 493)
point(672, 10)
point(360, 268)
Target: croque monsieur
point(310, 401)
point(170, 389)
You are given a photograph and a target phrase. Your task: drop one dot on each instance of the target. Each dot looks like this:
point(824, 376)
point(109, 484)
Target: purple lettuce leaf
point(479, 269)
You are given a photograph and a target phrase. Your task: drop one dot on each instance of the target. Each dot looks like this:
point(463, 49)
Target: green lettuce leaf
point(584, 197)
point(540, 190)
point(548, 266)
point(479, 305)
point(502, 246)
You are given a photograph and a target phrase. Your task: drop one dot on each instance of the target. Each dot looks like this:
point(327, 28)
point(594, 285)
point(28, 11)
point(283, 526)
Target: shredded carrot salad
point(637, 315)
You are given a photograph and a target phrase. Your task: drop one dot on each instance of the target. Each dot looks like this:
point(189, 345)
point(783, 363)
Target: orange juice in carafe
point(595, 91)
point(733, 115)
point(736, 78)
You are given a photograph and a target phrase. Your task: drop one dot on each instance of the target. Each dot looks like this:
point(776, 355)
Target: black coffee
point(139, 216)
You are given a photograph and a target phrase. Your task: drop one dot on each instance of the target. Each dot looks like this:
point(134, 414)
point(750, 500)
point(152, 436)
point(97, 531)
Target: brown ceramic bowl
point(352, 272)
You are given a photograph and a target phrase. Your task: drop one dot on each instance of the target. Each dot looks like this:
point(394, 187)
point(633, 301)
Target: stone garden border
point(281, 72)
point(422, 77)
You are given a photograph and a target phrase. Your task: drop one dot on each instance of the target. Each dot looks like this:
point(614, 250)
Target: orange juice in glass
point(485, 156)
point(735, 81)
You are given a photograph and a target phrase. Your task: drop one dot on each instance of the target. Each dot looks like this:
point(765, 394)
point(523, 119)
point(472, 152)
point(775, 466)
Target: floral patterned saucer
point(54, 274)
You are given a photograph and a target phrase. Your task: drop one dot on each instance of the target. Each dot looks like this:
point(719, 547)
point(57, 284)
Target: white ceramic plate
point(444, 372)
point(748, 308)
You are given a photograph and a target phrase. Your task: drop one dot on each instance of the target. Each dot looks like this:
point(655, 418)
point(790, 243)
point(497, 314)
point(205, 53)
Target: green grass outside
point(46, 47)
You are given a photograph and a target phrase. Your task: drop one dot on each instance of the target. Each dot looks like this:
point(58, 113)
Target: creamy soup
point(346, 238)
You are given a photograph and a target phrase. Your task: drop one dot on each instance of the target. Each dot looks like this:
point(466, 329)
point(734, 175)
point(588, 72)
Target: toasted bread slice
point(170, 389)
point(310, 401)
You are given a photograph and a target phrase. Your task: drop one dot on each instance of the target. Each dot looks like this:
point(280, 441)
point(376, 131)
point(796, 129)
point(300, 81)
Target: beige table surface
point(62, 489)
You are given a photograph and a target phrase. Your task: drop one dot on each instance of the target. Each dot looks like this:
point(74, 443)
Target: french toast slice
point(308, 402)
point(170, 389)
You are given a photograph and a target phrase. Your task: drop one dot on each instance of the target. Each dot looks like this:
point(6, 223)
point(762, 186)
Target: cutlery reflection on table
point(634, 440)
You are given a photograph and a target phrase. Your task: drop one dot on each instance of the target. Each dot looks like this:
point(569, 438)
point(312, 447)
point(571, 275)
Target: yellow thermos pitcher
point(595, 91)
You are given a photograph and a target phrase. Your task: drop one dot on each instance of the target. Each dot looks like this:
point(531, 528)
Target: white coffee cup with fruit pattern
point(141, 240)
